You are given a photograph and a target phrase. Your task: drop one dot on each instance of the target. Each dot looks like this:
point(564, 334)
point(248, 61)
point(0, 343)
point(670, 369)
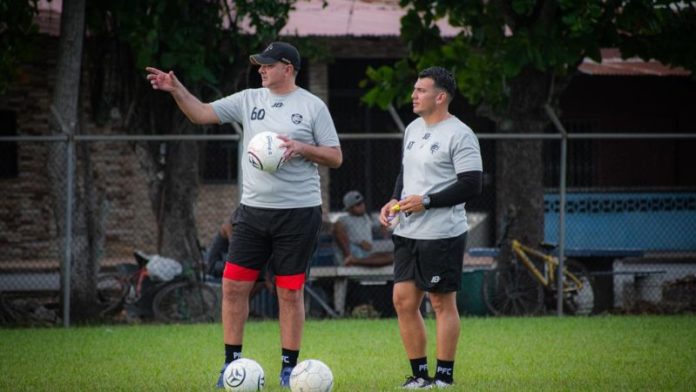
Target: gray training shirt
point(358, 227)
point(299, 115)
point(432, 157)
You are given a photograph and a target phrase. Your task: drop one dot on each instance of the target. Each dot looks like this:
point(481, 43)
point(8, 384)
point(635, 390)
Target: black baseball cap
point(277, 51)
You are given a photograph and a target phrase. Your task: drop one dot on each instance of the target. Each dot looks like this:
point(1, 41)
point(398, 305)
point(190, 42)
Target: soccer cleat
point(285, 377)
point(417, 383)
point(439, 384)
point(220, 383)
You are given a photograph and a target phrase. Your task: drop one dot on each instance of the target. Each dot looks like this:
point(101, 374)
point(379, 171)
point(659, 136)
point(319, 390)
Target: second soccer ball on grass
point(311, 375)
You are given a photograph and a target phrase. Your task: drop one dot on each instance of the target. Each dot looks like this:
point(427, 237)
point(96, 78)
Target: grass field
point(510, 354)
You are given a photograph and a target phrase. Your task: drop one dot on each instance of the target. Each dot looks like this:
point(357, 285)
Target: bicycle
point(184, 299)
point(525, 284)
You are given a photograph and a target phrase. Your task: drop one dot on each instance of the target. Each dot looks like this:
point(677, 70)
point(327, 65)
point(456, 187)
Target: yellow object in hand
point(393, 218)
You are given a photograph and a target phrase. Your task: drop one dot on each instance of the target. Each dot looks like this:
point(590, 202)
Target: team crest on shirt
point(434, 148)
point(296, 118)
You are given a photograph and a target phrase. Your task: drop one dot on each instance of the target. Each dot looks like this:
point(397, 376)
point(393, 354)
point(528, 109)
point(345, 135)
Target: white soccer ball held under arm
point(265, 152)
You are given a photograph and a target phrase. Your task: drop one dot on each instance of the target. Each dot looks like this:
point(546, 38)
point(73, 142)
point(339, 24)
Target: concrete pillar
point(318, 80)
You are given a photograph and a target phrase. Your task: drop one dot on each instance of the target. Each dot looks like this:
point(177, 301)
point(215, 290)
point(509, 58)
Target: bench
point(571, 252)
point(599, 262)
point(630, 282)
point(340, 275)
point(636, 274)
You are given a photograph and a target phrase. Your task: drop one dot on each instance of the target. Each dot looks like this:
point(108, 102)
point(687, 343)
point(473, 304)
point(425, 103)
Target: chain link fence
point(638, 243)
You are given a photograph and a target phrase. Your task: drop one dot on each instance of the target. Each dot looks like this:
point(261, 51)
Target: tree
point(87, 205)
point(207, 44)
point(513, 57)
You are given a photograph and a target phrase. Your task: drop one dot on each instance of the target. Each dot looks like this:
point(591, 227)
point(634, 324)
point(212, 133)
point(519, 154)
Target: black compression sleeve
point(399, 185)
point(468, 185)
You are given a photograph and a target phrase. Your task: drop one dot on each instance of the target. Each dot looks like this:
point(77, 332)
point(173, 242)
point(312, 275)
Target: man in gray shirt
point(280, 213)
point(353, 234)
point(441, 170)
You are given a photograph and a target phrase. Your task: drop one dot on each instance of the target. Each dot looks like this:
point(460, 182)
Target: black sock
point(232, 352)
point(444, 371)
point(419, 367)
point(289, 358)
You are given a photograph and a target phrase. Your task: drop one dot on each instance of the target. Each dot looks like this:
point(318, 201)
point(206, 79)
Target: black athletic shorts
point(285, 239)
point(434, 265)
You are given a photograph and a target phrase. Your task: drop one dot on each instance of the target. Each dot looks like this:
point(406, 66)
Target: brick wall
point(25, 214)
point(27, 227)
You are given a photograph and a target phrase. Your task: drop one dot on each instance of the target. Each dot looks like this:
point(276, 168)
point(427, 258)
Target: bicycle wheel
point(578, 299)
point(185, 302)
point(512, 291)
point(111, 289)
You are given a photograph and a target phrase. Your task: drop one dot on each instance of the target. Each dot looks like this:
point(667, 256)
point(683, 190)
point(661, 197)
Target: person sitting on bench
point(353, 234)
point(217, 255)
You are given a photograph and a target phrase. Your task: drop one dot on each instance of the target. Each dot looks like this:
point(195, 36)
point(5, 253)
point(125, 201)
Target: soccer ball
point(243, 375)
point(264, 151)
point(311, 375)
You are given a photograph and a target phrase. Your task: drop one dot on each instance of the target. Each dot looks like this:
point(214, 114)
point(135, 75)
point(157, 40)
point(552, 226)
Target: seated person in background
point(216, 256)
point(353, 234)
point(217, 252)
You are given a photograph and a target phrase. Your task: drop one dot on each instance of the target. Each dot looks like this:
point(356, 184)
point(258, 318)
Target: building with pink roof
point(373, 19)
point(614, 95)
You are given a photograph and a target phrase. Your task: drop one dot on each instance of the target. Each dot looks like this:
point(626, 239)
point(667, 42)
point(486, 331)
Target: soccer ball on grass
point(243, 375)
point(264, 151)
point(311, 375)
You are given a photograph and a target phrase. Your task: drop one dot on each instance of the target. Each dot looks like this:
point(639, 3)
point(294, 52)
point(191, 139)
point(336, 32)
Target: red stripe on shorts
point(290, 282)
point(237, 272)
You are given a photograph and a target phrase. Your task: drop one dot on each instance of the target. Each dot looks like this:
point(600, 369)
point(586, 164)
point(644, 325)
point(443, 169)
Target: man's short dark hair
point(443, 79)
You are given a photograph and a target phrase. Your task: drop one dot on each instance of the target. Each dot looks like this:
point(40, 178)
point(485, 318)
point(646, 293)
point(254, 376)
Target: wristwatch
point(426, 202)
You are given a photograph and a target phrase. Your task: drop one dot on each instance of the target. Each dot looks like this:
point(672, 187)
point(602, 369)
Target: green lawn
point(526, 354)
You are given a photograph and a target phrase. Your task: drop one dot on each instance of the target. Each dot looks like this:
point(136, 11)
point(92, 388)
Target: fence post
point(69, 195)
point(67, 257)
point(241, 155)
point(561, 223)
point(561, 208)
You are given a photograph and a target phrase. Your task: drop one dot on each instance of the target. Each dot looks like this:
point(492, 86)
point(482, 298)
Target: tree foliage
point(197, 38)
point(206, 42)
point(511, 58)
point(16, 30)
point(501, 39)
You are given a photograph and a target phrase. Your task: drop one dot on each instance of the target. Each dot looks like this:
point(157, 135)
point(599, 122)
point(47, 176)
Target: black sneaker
point(413, 382)
point(285, 377)
point(220, 384)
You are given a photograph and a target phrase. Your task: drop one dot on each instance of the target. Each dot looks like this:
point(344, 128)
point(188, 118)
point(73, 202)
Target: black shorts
point(285, 239)
point(434, 265)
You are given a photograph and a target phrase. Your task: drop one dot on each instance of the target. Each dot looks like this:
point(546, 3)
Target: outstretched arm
point(196, 111)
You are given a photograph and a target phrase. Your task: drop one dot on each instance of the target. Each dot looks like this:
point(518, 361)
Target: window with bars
point(8, 150)
point(219, 158)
